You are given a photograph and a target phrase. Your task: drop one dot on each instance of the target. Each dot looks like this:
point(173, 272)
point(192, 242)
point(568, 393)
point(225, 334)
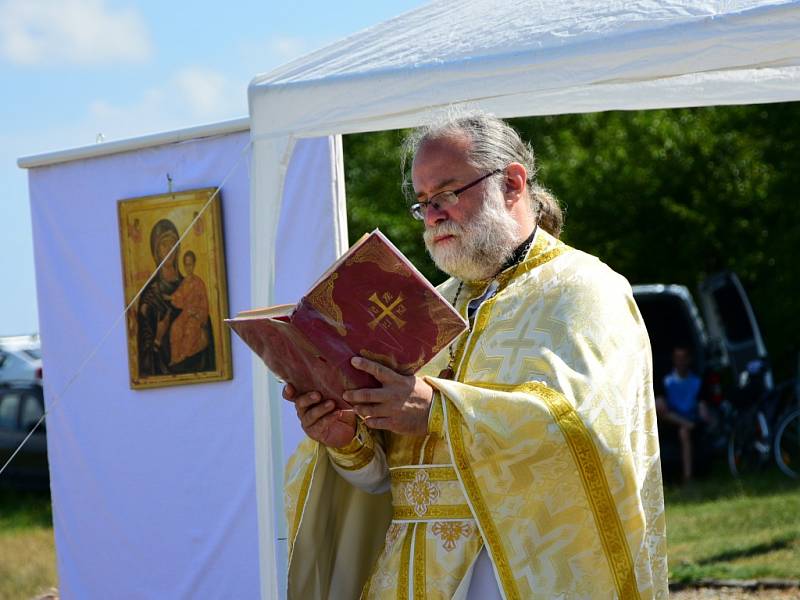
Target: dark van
point(723, 337)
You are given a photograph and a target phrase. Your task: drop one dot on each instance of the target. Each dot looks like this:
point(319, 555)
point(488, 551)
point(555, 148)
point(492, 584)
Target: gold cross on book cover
point(372, 302)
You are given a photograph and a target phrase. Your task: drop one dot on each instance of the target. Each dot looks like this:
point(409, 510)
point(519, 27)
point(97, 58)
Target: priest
point(523, 461)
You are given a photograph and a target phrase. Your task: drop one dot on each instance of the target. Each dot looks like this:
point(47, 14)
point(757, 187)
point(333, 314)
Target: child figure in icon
point(188, 334)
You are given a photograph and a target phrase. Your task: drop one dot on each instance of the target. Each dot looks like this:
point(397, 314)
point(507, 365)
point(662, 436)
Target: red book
point(372, 302)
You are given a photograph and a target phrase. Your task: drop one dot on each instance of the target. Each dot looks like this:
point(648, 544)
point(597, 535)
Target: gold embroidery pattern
point(321, 298)
point(419, 561)
point(450, 532)
point(365, 591)
point(430, 447)
point(538, 256)
point(485, 311)
point(374, 252)
point(530, 265)
point(405, 559)
point(406, 474)
point(417, 447)
point(355, 461)
point(392, 534)
point(606, 517)
point(436, 417)
point(482, 515)
point(440, 511)
point(421, 493)
point(587, 459)
point(383, 309)
point(301, 501)
point(357, 454)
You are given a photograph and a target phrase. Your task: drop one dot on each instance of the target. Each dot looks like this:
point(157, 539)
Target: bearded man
point(522, 462)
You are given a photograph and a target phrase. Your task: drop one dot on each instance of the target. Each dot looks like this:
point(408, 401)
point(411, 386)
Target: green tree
point(666, 196)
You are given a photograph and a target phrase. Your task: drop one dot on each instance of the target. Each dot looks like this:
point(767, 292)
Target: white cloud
point(263, 55)
point(287, 48)
point(191, 96)
point(206, 92)
point(34, 32)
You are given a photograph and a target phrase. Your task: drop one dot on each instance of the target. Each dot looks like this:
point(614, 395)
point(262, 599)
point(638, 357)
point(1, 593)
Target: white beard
point(481, 246)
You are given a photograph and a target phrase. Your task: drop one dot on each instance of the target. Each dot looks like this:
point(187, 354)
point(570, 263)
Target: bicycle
point(749, 444)
point(787, 438)
point(753, 422)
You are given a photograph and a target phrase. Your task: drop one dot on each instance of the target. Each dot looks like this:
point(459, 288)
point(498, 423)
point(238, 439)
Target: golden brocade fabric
point(547, 455)
point(433, 538)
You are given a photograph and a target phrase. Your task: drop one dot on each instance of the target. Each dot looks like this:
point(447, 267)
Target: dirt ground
point(735, 594)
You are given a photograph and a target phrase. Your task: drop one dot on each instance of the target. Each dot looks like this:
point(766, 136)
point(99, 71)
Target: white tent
point(154, 491)
point(514, 58)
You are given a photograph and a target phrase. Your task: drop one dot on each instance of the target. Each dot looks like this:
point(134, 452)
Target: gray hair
point(494, 145)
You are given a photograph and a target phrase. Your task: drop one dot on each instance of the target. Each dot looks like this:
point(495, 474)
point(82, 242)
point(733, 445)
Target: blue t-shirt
point(682, 394)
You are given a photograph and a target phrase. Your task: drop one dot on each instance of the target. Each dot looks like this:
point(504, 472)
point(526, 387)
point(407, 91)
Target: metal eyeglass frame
point(448, 198)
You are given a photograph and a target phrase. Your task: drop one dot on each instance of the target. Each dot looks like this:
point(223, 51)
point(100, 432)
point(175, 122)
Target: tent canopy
point(512, 58)
point(526, 57)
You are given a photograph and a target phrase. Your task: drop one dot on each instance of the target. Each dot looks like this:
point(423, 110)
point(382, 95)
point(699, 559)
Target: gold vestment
point(544, 449)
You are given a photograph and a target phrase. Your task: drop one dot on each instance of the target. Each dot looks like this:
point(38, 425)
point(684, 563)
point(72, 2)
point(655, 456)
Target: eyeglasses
point(443, 199)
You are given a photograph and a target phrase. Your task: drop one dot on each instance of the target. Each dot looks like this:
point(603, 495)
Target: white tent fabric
point(153, 490)
point(524, 57)
point(300, 236)
point(174, 465)
point(513, 58)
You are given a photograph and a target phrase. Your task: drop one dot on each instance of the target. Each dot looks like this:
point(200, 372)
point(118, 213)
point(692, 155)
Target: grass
point(718, 528)
point(722, 528)
point(27, 550)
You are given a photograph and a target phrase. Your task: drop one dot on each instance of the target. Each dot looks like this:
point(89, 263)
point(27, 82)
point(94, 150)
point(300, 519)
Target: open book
point(372, 302)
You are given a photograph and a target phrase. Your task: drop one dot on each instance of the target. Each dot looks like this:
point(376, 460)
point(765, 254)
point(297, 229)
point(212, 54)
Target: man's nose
point(434, 214)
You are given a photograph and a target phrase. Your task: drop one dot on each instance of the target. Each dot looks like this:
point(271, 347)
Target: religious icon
point(175, 329)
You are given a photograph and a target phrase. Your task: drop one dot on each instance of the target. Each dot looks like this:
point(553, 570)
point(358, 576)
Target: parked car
point(21, 407)
point(20, 358)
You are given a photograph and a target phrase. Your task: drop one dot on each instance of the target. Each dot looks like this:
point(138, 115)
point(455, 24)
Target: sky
point(74, 70)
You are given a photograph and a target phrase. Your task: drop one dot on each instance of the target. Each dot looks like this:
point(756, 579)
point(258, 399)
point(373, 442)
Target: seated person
point(681, 405)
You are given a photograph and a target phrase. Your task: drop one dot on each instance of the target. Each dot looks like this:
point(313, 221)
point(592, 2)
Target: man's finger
point(345, 415)
point(364, 396)
point(289, 392)
point(377, 370)
point(311, 416)
point(306, 401)
point(371, 411)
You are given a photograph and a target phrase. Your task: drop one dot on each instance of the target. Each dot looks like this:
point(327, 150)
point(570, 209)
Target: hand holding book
point(372, 302)
point(320, 418)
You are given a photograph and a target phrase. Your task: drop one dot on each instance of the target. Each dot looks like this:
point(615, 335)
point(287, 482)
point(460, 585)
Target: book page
point(279, 310)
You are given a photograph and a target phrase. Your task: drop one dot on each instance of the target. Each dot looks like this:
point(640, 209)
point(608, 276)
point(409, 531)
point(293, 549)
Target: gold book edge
point(279, 310)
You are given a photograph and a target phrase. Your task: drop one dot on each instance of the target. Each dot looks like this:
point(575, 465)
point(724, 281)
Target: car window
point(33, 352)
point(9, 409)
point(31, 411)
point(735, 319)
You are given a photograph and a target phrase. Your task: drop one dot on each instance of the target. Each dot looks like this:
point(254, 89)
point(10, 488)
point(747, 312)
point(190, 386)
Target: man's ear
point(516, 178)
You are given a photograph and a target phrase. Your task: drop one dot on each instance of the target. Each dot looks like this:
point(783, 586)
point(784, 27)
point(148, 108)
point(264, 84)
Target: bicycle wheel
point(748, 450)
point(787, 445)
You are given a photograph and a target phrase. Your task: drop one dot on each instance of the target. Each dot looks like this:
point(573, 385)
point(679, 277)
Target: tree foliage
point(662, 196)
